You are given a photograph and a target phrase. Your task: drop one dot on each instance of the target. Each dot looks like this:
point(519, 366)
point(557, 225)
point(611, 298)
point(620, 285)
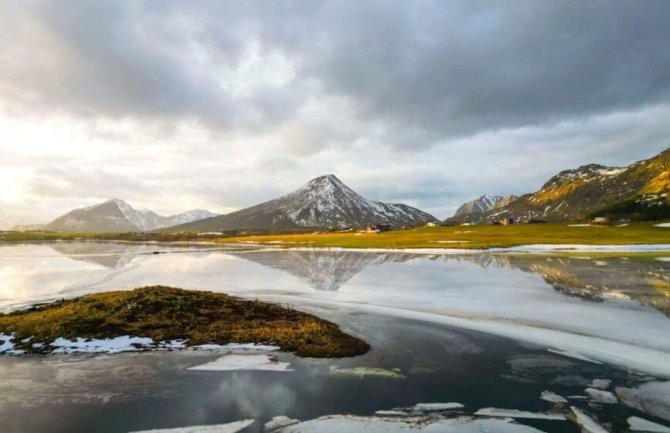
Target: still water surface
point(483, 330)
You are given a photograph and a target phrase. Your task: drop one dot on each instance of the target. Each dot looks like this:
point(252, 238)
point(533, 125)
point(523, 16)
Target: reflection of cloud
point(323, 270)
point(253, 400)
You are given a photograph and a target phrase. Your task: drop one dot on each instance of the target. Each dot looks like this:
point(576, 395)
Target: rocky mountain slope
point(118, 216)
point(473, 209)
point(324, 202)
point(640, 191)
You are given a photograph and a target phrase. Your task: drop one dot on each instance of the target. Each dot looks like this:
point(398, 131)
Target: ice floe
point(433, 407)
point(514, 413)
point(573, 355)
point(640, 424)
point(232, 427)
point(233, 361)
point(588, 424)
point(278, 422)
point(552, 397)
point(600, 383)
point(601, 396)
point(367, 371)
point(651, 397)
point(355, 424)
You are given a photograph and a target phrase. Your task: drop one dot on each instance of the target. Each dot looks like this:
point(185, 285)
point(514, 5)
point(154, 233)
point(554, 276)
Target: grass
point(165, 313)
point(485, 236)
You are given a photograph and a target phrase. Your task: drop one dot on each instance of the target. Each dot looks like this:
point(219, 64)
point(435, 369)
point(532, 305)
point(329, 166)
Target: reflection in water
point(323, 270)
point(400, 303)
point(645, 281)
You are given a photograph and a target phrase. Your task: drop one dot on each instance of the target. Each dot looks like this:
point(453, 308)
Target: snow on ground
point(232, 427)
point(588, 424)
point(63, 346)
point(108, 345)
point(651, 397)
point(513, 413)
point(665, 225)
point(356, 424)
point(640, 424)
point(233, 362)
point(552, 397)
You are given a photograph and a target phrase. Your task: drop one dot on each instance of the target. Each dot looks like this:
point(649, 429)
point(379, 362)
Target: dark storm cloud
point(426, 70)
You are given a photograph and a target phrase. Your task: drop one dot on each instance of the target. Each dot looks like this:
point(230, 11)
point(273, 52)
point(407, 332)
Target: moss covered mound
point(166, 313)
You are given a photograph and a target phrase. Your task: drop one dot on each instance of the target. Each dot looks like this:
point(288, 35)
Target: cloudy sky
point(174, 105)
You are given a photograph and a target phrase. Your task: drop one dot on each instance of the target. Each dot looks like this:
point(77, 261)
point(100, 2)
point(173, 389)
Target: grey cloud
point(437, 68)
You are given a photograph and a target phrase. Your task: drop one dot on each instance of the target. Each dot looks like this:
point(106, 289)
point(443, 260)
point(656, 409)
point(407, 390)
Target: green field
point(488, 236)
point(484, 236)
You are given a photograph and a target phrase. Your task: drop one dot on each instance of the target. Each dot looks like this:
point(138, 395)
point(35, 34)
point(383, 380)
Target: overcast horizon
point(175, 105)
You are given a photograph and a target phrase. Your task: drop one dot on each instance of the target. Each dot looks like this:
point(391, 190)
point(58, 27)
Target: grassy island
point(166, 313)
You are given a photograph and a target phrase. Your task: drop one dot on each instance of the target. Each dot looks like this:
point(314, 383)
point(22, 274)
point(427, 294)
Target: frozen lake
point(483, 330)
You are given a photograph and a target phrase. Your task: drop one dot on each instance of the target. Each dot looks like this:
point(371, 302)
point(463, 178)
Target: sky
point(173, 105)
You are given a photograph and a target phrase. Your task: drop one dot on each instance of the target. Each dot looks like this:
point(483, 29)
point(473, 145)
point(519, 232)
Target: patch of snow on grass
point(236, 362)
point(109, 345)
point(664, 225)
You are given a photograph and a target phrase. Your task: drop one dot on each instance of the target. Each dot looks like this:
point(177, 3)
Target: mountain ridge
point(639, 191)
point(115, 215)
point(323, 202)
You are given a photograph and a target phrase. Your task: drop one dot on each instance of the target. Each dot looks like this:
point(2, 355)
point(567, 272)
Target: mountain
point(324, 202)
point(473, 209)
point(640, 191)
point(118, 216)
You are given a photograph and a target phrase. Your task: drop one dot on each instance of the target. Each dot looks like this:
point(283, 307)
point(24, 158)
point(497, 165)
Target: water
point(473, 329)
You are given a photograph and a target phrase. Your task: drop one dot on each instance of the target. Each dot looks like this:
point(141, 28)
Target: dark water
point(436, 363)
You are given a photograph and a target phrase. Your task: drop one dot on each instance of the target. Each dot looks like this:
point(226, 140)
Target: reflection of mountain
point(323, 270)
point(645, 281)
point(107, 254)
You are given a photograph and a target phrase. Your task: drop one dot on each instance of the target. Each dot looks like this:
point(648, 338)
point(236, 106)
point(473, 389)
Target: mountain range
point(115, 216)
point(640, 191)
point(323, 202)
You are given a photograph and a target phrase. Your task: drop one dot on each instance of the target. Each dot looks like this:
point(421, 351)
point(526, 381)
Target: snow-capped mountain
point(118, 216)
point(323, 202)
point(482, 204)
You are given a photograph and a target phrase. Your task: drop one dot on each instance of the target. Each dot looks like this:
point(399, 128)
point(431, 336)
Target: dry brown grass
point(166, 313)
